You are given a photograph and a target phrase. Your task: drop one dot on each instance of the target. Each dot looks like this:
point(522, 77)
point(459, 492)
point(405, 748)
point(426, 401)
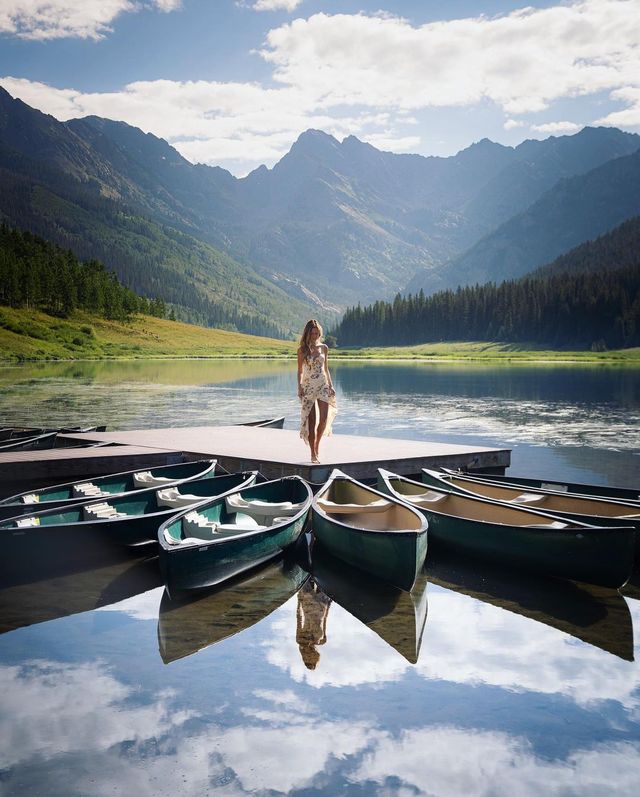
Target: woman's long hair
point(304, 346)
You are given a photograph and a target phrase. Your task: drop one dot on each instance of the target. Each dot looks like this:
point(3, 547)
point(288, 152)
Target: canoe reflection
point(311, 621)
point(190, 623)
point(39, 600)
point(396, 616)
point(596, 615)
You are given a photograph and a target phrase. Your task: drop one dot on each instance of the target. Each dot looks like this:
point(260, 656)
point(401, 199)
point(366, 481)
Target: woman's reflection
point(311, 615)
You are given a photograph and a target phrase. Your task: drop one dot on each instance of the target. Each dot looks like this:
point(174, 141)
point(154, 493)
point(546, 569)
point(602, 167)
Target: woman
point(315, 388)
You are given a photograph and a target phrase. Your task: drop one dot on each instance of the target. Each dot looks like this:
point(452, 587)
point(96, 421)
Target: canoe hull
point(197, 567)
point(396, 557)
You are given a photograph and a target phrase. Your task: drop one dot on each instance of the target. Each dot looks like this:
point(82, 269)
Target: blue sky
point(234, 82)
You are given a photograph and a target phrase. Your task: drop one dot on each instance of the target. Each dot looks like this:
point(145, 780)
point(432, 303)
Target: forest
point(37, 274)
point(588, 310)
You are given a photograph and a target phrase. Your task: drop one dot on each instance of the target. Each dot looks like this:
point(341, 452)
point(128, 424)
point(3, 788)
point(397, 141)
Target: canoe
point(586, 509)
point(370, 530)
point(598, 616)
point(40, 441)
point(267, 423)
point(555, 486)
point(194, 621)
point(518, 536)
point(93, 528)
point(220, 539)
point(396, 616)
point(81, 491)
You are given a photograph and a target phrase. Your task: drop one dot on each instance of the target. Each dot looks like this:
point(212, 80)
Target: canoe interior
point(469, 508)
point(293, 490)
point(548, 502)
point(394, 517)
point(553, 485)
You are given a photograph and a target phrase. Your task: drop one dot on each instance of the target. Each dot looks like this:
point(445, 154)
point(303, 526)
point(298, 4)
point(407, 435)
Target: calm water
point(478, 683)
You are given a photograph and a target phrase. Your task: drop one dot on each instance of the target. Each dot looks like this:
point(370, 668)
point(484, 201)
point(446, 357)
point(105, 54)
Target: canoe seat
point(101, 511)
point(145, 478)
point(199, 526)
point(87, 490)
point(28, 521)
point(381, 505)
point(555, 524)
point(263, 512)
point(32, 498)
point(528, 498)
point(428, 497)
point(170, 496)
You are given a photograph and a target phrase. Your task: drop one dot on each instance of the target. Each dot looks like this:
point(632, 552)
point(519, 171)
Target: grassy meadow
point(32, 336)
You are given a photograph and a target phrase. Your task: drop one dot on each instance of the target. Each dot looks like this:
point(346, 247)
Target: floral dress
point(315, 387)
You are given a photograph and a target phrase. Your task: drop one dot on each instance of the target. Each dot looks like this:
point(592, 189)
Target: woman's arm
point(300, 363)
point(326, 368)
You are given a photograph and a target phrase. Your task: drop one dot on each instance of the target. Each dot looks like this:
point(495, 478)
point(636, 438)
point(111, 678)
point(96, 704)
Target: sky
point(233, 83)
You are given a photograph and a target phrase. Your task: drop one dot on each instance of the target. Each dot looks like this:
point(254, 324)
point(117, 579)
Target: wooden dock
point(274, 452)
point(281, 452)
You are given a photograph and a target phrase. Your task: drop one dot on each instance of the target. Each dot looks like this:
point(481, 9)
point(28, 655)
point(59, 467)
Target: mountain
point(575, 210)
point(337, 222)
point(75, 186)
point(619, 248)
point(333, 223)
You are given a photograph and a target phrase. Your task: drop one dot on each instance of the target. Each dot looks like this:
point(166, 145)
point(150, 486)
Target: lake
point(481, 682)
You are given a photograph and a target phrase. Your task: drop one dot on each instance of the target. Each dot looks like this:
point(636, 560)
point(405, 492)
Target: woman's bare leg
point(323, 411)
point(311, 425)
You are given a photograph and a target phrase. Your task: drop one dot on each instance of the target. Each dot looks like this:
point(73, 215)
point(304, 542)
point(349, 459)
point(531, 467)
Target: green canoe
point(592, 510)
point(220, 539)
point(517, 536)
point(369, 530)
point(84, 490)
point(93, 528)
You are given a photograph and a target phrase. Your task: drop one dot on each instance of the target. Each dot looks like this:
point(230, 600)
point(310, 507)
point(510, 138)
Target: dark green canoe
point(83, 490)
point(369, 530)
point(519, 537)
point(593, 510)
point(92, 528)
point(222, 538)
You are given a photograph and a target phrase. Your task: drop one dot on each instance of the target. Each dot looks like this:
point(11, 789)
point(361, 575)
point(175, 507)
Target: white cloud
point(449, 762)
point(363, 75)
point(57, 19)
point(276, 5)
point(61, 708)
point(557, 127)
point(522, 61)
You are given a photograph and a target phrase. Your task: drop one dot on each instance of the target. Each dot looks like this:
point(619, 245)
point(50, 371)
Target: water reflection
point(38, 600)
point(396, 616)
point(595, 615)
point(525, 686)
point(193, 622)
point(311, 622)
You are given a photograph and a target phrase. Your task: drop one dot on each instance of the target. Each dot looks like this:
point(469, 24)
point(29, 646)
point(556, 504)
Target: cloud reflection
point(467, 642)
